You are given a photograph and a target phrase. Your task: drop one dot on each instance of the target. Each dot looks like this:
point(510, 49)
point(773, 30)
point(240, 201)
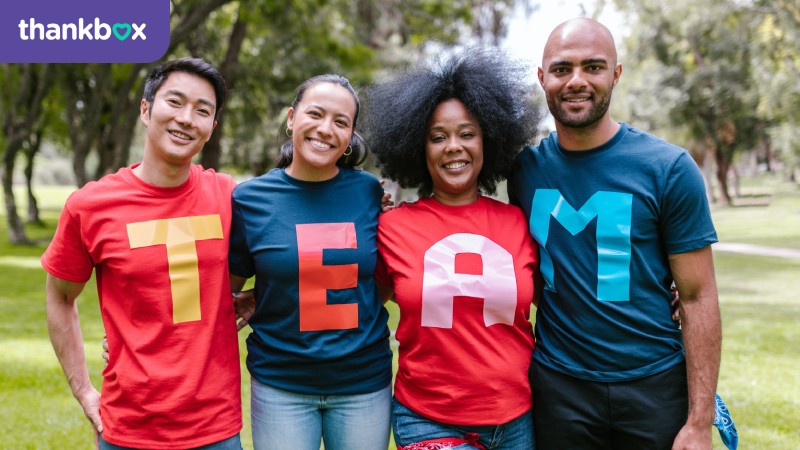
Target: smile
point(454, 165)
point(180, 135)
point(320, 144)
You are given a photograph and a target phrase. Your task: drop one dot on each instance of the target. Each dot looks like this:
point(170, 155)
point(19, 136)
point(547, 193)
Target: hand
point(675, 304)
point(105, 350)
point(386, 202)
point(693, 438)
point(244, 303)
point(90, 402)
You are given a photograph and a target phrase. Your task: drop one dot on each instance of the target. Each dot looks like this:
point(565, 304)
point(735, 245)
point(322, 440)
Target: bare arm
point(385, 292)
point(244, 303)
point(693, 273)
point(64, 327)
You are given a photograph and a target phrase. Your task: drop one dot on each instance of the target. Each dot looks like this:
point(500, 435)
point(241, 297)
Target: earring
point(348, 151)
point(289, 132)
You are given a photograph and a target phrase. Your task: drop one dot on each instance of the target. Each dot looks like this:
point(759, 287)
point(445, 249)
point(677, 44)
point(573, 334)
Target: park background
point(718, 77)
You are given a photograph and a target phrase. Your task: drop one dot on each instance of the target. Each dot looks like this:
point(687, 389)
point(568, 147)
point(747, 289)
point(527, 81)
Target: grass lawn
point(759, 296)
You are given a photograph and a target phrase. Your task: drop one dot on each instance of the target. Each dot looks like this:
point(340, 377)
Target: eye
point(595, 68)
point(467, 135)
point(173, 101)
point(204, 112)
point(437, 138)
point(343, 123)
point(314, 113)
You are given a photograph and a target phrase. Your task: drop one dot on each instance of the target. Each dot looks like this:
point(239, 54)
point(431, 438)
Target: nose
point(324, 127)
point(576, 80)
point(453, 144)
point(185, 115)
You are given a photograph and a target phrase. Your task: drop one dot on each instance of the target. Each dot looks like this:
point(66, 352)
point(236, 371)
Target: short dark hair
point(490, 84)
point(358, 145)
point(196, 66)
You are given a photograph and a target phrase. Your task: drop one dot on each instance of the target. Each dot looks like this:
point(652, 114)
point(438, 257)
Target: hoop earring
point(289, 132)
point(348, 151)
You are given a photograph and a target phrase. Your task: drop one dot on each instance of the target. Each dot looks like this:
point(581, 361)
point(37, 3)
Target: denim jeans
point(283, 420)
point(410, 427)
point(232, 443)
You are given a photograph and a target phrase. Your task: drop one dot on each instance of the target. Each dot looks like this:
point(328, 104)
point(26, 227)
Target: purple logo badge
point(84, 31)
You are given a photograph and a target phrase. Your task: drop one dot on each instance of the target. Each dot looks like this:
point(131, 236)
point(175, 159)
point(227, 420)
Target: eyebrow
point(183, 96)
point(585, 62)
point(345, 115)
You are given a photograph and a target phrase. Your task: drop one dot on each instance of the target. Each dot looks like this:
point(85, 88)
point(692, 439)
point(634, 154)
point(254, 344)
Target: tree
point(704, 50)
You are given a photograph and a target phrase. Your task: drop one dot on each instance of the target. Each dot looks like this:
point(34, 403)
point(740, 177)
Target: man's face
point(180, 119)
point(578, 73)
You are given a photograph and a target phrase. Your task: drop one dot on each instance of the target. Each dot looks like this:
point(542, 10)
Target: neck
point(464, 198)
point(162, 174)
point(323, 174)
point(589, 137)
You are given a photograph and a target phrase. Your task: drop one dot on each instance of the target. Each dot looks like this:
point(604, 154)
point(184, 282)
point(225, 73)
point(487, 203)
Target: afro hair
point(490, 84)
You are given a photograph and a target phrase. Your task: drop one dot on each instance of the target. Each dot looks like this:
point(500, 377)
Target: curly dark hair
point(489, 83)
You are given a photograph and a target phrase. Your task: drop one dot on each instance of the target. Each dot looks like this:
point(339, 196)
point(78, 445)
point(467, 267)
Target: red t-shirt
point(160, 259)
point(463, 280)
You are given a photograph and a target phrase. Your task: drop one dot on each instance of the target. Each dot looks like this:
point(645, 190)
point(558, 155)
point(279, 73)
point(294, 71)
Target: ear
point(289, 118)
point(144, 112)
point(617, 73)
point(540, 75)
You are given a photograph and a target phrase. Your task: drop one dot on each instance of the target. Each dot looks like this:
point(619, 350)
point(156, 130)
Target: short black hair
point(489, 83)
point(196, 66)
point(359, 153)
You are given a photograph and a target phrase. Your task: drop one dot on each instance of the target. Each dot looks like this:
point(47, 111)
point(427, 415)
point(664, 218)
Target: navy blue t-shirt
point(319, 327)
point(606, 220)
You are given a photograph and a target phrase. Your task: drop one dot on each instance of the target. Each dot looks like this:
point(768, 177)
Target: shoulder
point(400, 214)
point(652, 144)
point(222, 179)
point(509, 214)
point(94, 191)
point(362, 176)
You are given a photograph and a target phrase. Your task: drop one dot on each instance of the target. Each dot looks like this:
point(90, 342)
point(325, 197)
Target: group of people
point(604, 218)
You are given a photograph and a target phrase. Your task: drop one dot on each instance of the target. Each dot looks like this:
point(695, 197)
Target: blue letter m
point(613, 212)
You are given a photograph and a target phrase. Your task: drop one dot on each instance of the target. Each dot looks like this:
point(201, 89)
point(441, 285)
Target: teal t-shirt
point(606, 219)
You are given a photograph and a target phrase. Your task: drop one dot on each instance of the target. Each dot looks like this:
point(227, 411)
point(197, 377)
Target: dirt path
point(760, 250)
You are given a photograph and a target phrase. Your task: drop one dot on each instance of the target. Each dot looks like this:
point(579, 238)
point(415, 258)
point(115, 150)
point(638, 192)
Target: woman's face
point(321, 124)
point(454, 153)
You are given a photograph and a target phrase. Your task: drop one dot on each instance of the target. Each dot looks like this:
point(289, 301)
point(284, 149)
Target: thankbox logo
point(32, 30)
point(44, 31)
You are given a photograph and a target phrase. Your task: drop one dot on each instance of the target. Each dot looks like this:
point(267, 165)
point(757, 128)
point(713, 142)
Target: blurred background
point(720, 78)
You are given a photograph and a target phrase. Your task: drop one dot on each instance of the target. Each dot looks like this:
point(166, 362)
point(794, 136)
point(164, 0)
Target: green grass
point(774, 224)
point(759, 296)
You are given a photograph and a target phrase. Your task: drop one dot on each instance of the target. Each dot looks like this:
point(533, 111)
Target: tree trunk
point(212, 151)
point(722, 177)
point(30, 157)
point(16, 229)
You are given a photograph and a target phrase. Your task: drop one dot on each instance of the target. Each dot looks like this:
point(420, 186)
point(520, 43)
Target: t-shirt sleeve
point(67, 256)
point(686, 218)
point(240, 261)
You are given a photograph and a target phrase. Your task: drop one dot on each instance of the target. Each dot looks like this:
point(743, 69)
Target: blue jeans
point(283, 420)
point(232, 443)
point(410, 427)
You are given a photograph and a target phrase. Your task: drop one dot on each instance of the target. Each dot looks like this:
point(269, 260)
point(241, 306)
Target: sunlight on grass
point(27, 262)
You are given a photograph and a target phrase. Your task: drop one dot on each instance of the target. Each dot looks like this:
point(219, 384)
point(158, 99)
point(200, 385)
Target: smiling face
point(579, 71)
point(179, 120)
point(454, 153)
point(322, 125)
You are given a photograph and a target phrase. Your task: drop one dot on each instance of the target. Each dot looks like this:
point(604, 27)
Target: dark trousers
point(643, 414)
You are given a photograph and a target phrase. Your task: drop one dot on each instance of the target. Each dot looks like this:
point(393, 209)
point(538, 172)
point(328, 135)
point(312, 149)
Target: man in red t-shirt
point(152, 232)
